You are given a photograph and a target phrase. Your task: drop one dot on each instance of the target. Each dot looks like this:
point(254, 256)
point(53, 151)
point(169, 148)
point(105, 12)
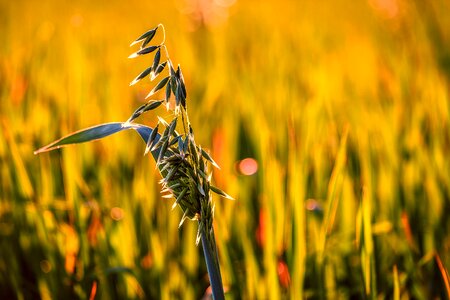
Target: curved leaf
point(98, 132)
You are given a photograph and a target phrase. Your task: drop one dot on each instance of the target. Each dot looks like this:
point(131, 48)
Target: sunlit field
point(330, 121)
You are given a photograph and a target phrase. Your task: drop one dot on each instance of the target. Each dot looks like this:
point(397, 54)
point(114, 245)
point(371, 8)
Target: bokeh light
point(45, 265)
point(248, 166)
point(117, 213)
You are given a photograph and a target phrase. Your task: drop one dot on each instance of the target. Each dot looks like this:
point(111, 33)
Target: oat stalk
point(183, 165)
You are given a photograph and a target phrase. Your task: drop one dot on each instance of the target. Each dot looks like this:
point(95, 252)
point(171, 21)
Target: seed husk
point(173, 141)
point(148, 36)
point(209, 158)
point(172, 126)
point(159, 86)
point(179, 197)
point(183, 218)
point(136, 113)
point(144, 51)
point(162, 151)
point(156, 59)
point(142, 75)
point(220, 192)
point(202, 174)
point(151, 139)
point(200, 189)
point(158, 70)
point(152, 105)
point(168, 89)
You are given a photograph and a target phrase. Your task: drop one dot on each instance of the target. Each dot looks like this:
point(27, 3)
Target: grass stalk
point(212, 264)
point(183, 164)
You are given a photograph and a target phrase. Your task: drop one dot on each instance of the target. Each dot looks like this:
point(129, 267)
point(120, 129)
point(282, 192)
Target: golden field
point(343, 106)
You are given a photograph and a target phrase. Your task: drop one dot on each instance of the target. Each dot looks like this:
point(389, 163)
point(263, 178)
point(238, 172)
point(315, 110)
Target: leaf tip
point(230, 198)
point(150, 94)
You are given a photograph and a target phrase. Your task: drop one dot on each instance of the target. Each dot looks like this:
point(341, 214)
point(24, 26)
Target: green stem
point(212, 264)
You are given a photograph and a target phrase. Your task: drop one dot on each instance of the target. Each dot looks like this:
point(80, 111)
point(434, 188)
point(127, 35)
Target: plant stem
point(212, 263)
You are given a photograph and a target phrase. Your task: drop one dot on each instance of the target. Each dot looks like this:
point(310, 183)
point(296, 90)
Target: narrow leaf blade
point(101, 131)
point(85, 135)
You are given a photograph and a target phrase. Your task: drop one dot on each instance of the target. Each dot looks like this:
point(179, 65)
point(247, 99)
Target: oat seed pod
point(183, 165)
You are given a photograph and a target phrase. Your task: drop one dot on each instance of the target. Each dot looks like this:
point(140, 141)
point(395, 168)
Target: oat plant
point(184, 166)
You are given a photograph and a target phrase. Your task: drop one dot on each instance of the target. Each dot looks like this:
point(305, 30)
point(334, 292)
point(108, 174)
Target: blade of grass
point(396, 283)
point(444, 273)
point(334, 189)
point(95, 133)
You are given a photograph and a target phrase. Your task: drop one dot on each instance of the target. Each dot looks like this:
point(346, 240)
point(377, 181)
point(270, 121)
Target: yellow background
point(343, 104)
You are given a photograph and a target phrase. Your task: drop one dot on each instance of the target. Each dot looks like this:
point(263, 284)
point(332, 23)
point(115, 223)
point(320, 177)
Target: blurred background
point(329, 119)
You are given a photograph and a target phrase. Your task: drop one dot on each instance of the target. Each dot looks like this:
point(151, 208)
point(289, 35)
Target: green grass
point(345, 110)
